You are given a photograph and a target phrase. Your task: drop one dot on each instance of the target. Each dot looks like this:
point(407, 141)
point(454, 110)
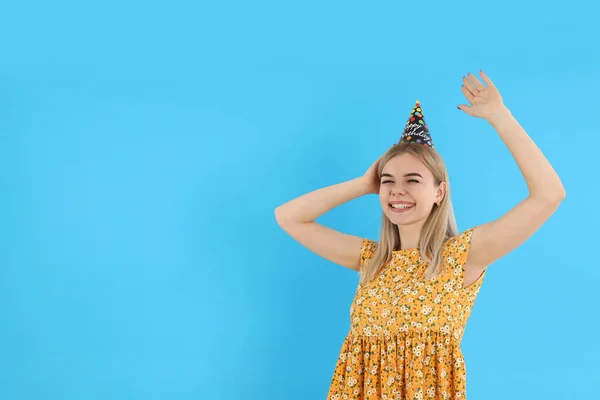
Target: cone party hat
point(416, 130)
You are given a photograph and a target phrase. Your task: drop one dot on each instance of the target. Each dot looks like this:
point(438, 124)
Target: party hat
point(416, 130)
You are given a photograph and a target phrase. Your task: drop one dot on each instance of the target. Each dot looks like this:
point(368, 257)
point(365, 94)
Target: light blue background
point(145, 145)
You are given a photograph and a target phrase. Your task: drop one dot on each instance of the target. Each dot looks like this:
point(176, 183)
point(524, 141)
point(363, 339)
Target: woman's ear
point(441, 191)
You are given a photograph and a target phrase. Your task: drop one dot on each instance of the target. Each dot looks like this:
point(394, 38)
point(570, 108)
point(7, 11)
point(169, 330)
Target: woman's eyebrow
point(405, 175)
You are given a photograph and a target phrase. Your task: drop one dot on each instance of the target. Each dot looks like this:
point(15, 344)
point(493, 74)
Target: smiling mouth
point(400, 208)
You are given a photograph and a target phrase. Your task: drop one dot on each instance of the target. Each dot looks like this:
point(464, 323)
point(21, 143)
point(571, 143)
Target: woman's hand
point(371, 178)
point(485, 101)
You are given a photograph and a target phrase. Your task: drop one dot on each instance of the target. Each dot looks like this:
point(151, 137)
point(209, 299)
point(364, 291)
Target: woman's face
point(407, 190)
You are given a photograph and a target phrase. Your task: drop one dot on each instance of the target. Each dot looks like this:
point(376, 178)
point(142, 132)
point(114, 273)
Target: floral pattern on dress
point(405, 331)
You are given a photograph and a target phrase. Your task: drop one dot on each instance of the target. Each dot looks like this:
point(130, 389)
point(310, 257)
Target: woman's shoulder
point(368, 247)
point(459, 240)
point(368, 243)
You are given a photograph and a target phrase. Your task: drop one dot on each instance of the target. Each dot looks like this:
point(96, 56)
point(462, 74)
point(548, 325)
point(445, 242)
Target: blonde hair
point(439, 226)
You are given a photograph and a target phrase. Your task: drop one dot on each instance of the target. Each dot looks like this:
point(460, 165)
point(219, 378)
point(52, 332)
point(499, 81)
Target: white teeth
point(402, 206)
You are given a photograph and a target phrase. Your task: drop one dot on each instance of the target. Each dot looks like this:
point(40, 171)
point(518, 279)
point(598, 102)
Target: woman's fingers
point(467, 83)
point(476, 81)
point(465, 108)
point(486, 79)
point(467, 93)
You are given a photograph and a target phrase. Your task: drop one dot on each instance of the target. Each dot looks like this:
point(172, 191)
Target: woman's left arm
point(493, 240)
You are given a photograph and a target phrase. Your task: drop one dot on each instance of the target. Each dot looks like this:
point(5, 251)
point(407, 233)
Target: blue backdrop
point(145, 145)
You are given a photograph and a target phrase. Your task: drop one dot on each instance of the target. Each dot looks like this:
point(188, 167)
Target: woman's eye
point(410, 180)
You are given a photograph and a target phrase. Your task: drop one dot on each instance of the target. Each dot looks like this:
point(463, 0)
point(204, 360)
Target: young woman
point(419, 282)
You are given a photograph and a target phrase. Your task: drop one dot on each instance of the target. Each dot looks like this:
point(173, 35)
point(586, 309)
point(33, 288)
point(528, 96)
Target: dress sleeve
point(461, 245)
point(458, 250)
point(367, 250)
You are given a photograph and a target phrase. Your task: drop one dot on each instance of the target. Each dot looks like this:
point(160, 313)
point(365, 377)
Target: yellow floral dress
point(405, 332)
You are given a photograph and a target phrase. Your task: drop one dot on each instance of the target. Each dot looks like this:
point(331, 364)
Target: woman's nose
point(397, 190)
